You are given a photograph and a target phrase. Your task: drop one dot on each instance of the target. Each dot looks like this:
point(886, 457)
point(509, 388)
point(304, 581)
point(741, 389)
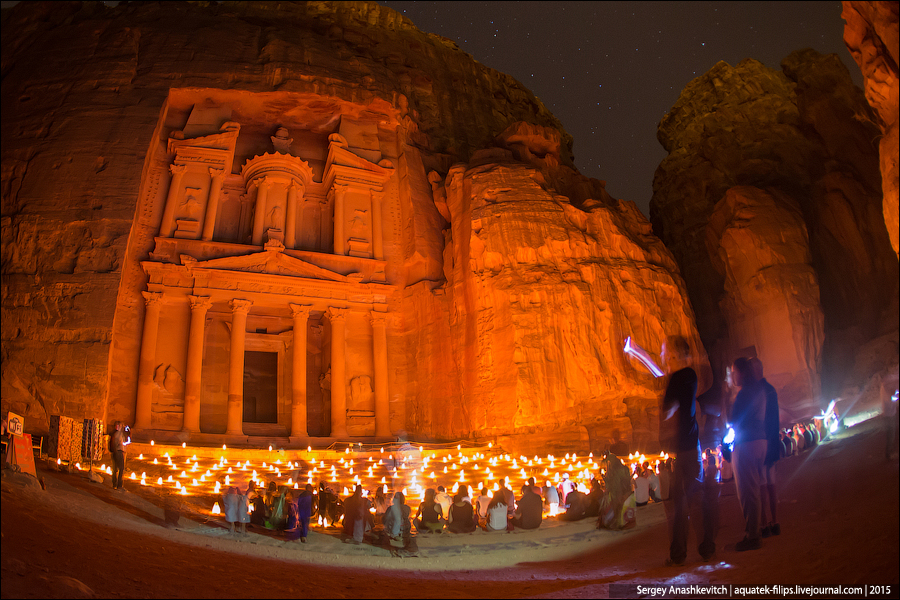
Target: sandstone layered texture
point(773, 156)
point(872, 34)
point(517, 280)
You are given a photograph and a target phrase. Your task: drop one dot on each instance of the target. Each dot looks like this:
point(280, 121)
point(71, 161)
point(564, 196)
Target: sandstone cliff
point(872, 35)
point(803, 139)
point(518, 278)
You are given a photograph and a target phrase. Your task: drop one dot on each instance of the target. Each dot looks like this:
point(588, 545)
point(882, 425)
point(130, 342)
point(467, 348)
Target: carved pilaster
point(377, 239)
point(340, 240)
point(212, 205)
point(199, 306)
point(167, 229)
point(259, 213)
point(379, 352)
point(300, 313)
point(338, 319)
point(295, 191)
point(235, 409)
point(143, 405)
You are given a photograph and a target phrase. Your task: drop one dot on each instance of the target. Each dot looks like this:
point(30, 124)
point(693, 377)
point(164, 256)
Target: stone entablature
point(272, 262)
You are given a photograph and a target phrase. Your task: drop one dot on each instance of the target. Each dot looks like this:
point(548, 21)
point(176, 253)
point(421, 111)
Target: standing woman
point(117, 447)
point(748, 419)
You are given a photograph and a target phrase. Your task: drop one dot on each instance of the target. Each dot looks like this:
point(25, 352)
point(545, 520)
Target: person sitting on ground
point(665, 479)
point(381, 505)
point(551, 498)
point(355, 511)
point(497, 519)
point(481, 507)
point(444, 499)
point(578, 504)
point(654, 484)
point(429, 517)
point(566, 487)
point(593, 498)
point(509, 498)
point(292, 520)
point(534, 488)
point(529, 510)
point(642, 489)
point(466, 492)
point(462, 516)
point(396, 523)
point(260, 513)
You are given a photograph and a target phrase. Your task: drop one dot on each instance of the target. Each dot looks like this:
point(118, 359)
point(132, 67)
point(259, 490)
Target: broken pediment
point(271, 261)
point(224, 140)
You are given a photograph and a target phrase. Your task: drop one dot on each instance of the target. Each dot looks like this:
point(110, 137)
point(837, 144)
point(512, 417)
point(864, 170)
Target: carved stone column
point(298, 371)
point(382, 399)
point(377, 235)
point(199, 306)
point(142, 408)
point(212, 206)
point(290, 226)
point(167, 229)
point(235, 410)
point(338, 319)
point(340, 240)
point(259, 213)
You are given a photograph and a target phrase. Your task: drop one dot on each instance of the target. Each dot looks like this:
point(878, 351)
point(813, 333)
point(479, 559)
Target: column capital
point(379, 318)
point(296, 186)
point(337, 314)
point(177, 169)
point(200, 303)
point(239, 305)
point(153, 298)
point(213, 172)
point(376, 195)
point(300, 310)
point(340, 189)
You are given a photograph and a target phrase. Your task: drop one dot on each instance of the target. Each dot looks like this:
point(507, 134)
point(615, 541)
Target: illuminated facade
point(266, 302)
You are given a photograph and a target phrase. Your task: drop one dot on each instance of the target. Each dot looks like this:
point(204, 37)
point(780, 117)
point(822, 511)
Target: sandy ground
point(838, 511)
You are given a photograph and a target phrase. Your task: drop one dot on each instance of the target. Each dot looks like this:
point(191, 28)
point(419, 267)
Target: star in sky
point(609, 71)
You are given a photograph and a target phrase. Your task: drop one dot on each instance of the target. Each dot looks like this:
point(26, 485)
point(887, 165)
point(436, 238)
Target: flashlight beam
point(639, 353)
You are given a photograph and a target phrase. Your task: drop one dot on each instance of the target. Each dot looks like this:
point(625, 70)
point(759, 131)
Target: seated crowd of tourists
point(610, 499)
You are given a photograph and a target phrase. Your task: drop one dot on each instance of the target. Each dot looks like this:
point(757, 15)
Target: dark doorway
point(260, 387)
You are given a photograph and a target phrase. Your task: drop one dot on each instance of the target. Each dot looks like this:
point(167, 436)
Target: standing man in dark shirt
point(774, 451)
point(679, 431)
point(748, 415)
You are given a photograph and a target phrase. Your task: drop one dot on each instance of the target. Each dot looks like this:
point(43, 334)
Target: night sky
point(610, 70)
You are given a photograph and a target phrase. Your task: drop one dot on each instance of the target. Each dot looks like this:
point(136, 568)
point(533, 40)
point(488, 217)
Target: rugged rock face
point(759, 243)
point(872, 35)
point(540, 296)
point(805, 137)
point(517, 278)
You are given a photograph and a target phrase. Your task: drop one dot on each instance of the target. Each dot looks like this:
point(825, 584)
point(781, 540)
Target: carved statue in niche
point(191, 204)
point(359, 227)
point(281, 142)
point(361, 392)
point(168, 379)
point(274, 218)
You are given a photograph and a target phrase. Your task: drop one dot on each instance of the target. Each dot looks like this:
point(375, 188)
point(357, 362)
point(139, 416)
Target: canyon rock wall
point(541, 293)
point(517, 279)
point(872, 34)
point(804, 137)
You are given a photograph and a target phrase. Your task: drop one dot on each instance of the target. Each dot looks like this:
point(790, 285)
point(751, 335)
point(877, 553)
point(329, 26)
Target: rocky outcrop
point(517, 279)
point(758, 242)
point(872, 34)
point(540, 296)
point(805, 137)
